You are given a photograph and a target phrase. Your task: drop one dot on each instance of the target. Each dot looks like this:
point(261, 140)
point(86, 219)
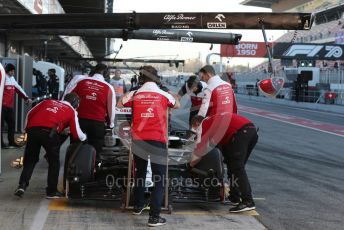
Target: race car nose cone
point(270, 87)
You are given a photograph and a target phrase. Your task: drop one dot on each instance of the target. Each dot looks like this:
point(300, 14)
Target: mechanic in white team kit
point(194, 88)
point(218, 95)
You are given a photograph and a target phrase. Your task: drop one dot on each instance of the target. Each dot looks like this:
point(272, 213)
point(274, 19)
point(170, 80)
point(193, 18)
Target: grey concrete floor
point(34, 212)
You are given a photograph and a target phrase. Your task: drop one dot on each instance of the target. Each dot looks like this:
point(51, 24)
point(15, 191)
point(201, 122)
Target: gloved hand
point(28, 101)
point(188, 166)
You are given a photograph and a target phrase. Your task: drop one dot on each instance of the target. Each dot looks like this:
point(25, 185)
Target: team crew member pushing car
point(44, 123)
point(236, 142)
point(149, 133)
point(194, 88)
point(11, 87)
point(218, 95)
point(97, 105)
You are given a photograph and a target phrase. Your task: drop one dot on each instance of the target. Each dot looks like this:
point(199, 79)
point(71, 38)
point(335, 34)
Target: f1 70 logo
point(313, 51)
point(217, 25)
point(334, 51)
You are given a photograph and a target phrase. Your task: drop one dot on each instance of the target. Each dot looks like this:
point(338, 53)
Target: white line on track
point(291, 123)
point(41, 216)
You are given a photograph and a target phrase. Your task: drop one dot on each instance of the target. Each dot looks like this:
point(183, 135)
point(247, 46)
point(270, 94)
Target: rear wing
point(182, 20)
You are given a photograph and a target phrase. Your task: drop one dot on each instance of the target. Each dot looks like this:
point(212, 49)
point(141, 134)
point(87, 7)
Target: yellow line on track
point(62, 205)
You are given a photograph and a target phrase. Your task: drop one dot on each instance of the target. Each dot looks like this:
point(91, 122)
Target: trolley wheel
point(170, 209)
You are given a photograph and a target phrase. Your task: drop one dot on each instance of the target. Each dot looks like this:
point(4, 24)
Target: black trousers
point(236, 153)
point(7, 116)
point(192, 114)
point(36, 138)
point(158, 174)
point(95, 131)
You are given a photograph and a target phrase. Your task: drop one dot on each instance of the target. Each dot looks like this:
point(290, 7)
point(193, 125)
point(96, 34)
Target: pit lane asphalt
point(296, 172)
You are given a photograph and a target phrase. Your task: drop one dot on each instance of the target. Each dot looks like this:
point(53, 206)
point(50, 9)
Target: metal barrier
point(311, 96)
point(333, 79)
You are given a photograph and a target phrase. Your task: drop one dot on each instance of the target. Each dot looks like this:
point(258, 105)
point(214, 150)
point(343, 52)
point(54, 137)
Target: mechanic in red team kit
point(236, 141)
point(97, 105)
point(218, 95)
point(11, 87)
point(44, 123)
point(194, 88)
point(149, 133)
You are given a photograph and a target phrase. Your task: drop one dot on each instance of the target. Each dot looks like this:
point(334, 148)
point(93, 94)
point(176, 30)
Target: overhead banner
point(187, 20)
point(244, 49)
point(308, 51)
point(304, 51)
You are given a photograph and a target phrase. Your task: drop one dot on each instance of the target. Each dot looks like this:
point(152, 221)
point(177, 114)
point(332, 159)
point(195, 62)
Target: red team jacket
point(97, 98)
point(11, 87)
point(150, 106)
point(55, 114)
point(209, 132)
point(218, 98)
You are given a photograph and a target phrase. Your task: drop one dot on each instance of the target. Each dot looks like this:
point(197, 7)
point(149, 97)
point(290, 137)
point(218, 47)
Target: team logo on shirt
point(92, 97)
point(226, 101)
point(54, 109)
point(149, 113)
point(147, 96)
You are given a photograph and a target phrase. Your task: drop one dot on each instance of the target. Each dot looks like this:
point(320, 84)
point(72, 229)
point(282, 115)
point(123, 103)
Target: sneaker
point(138, 210)
point(55, 195)
point(234, 200)
point(13, 146)
point(243, 207)
point(156, 221)
point(19, 191)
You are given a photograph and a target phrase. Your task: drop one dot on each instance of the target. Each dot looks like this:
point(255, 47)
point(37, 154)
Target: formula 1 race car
point(108, 175)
